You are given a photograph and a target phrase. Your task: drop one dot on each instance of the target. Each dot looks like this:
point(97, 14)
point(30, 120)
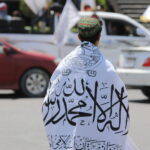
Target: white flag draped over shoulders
point(67, 19)
point(86, 105)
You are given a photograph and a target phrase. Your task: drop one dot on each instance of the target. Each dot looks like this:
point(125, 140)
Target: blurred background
point(31, 11)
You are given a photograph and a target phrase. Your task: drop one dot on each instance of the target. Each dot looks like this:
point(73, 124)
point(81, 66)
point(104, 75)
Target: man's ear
point(98, 37)
point(79, 37)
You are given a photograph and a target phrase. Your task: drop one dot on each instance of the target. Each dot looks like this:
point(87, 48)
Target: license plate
point(130, 62)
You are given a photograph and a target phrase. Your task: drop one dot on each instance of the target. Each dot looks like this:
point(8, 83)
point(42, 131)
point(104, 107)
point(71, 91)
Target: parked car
point(26, 72)
point(119, 31)
point(134, 68)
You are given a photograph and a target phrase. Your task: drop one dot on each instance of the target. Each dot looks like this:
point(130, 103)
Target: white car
point(119, 31)
point(134, 68)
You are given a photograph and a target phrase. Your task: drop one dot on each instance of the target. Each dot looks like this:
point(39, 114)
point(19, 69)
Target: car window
point(1, 48)
point(116, 27)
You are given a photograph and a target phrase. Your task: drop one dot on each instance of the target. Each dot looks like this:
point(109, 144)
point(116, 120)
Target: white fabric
point(36, 5)
point(86, 105)
point(67, 19)
point(146, 13)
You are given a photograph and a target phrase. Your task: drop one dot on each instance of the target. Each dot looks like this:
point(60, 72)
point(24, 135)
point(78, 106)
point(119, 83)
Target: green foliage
point(102, 3)
point(25, 9)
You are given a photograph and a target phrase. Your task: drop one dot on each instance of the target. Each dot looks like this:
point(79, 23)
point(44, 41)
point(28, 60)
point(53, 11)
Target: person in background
point(42, 19)
point(4, 11)
point(16, 15)
point(86, 105)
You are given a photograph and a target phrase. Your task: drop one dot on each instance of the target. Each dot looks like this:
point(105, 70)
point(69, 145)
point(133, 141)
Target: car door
point(7, 72)
point(120, 34)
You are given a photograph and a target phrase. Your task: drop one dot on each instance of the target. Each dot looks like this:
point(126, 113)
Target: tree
point(103, 3)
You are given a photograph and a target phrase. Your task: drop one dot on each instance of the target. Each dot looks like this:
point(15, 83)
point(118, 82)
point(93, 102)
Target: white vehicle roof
point(103, 14)
point(118, 16)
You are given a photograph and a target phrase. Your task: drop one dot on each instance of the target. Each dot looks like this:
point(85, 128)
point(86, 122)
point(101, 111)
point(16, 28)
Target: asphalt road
point(21, 126)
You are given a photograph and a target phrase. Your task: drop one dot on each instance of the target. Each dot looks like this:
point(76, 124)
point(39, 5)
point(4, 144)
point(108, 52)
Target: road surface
point(21, 126)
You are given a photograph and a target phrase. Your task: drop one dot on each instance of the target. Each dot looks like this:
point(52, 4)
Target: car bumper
point(135, 77)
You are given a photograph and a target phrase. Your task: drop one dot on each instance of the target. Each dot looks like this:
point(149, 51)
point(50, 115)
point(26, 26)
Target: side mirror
point(6, 50)
point(140, 32)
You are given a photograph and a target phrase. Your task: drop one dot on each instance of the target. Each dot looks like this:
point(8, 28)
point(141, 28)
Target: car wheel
point(146, 91)
point(34, 83)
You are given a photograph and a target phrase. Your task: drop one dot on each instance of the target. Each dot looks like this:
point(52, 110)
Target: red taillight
point(147, 62)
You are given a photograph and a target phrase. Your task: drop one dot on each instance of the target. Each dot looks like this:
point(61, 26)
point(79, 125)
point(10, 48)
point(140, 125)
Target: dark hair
point(91, 39)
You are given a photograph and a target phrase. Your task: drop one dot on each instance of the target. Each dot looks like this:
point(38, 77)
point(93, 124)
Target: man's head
point(89, 29)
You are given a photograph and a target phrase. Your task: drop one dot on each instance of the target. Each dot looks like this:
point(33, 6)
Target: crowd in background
point(46, 19)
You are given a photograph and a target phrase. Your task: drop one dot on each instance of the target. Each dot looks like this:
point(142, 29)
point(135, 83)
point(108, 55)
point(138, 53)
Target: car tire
point(34, 83)
point(146, 91)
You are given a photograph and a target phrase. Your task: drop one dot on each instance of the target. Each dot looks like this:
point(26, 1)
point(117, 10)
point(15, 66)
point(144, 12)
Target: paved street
point(21, 126)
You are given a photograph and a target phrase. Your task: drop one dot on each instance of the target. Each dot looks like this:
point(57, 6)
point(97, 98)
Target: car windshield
point(116, 27)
